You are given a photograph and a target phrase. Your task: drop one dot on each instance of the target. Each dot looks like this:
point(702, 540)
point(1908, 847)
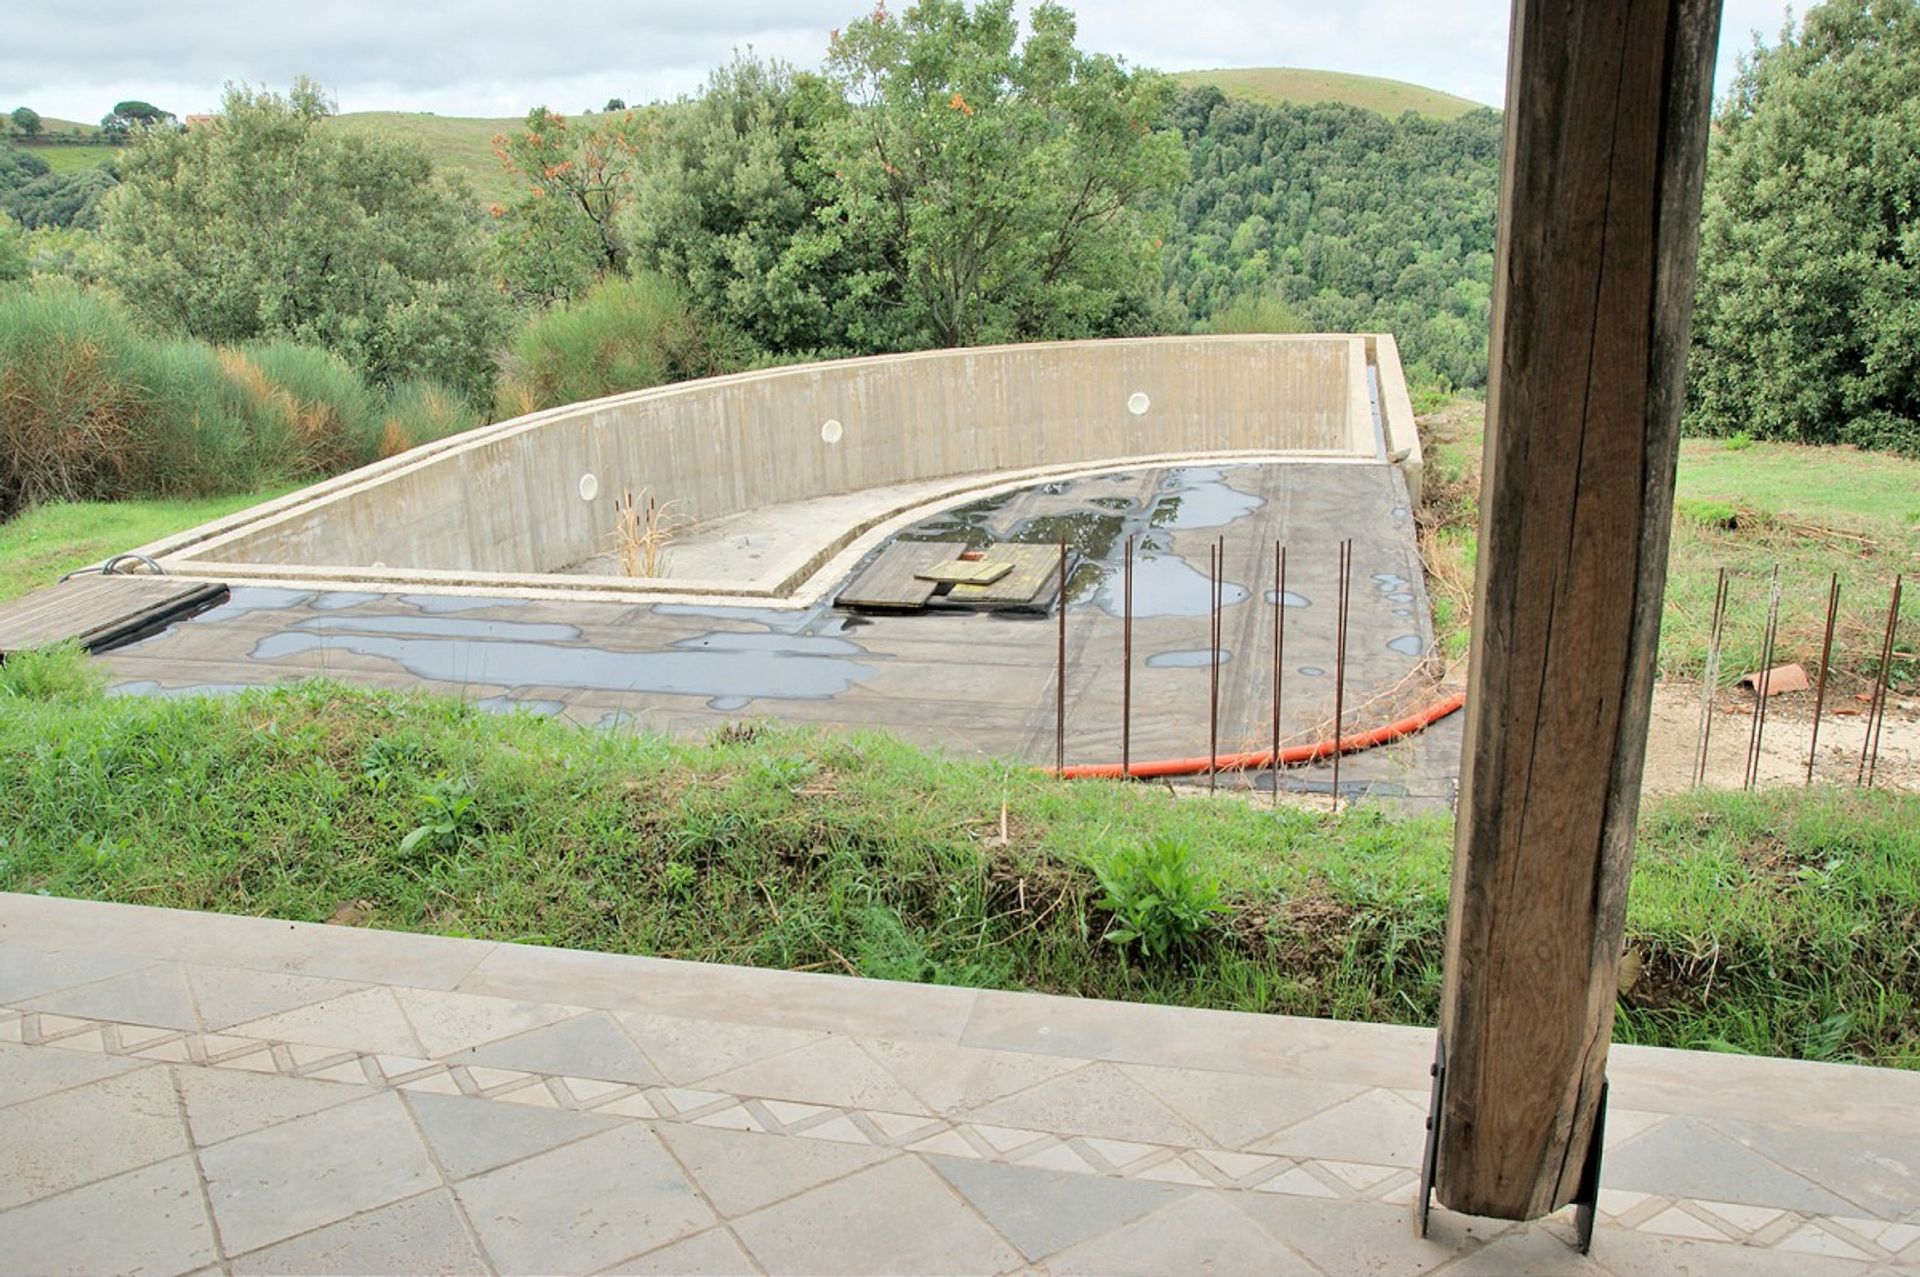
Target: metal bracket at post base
point(1586, 1197)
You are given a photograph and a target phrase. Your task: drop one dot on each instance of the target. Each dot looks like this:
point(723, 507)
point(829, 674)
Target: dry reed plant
point(642, 532)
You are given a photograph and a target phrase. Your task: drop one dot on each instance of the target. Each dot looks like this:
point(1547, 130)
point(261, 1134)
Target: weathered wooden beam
point(1606, 130)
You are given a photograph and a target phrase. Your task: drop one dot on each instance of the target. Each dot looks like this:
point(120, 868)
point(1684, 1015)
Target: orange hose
point(1288, 756)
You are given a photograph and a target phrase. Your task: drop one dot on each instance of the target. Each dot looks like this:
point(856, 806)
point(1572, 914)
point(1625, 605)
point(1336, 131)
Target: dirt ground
point(1674, 739)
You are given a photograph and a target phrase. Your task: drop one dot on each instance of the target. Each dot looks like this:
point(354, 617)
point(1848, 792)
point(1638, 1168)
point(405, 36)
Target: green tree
point(1335, 218)
point(273, 225)
point(993, 188)
point(728, 191)
point(1807, 318)
point(615, 104)
point(576, 181)
point(27, 120)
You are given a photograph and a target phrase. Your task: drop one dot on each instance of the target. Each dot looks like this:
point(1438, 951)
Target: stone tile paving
point(183, 1093)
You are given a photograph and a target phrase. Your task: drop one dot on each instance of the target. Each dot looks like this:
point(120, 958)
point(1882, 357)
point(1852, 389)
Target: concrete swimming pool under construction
point(488, 564)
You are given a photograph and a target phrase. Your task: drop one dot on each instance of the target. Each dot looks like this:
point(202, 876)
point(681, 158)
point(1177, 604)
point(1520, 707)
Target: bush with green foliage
point(26, 120)
point(1807, 319)
point(89, 408)
point(14, 262)
point(727, 191)
point(624, 334)
point(274, 226)
point(1162, 899)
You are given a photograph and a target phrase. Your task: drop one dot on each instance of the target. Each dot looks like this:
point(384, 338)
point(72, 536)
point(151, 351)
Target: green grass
point(1780, 924)
point(1743, 506)
point(70, 159)
point(1307, 87)
point(459, 144)
point(55, 127)
point(47, 541)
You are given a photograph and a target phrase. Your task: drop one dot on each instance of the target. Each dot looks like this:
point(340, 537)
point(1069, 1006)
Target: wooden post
point(1606, 132)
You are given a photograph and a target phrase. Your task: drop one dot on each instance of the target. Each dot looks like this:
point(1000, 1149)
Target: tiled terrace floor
point(184, 1093)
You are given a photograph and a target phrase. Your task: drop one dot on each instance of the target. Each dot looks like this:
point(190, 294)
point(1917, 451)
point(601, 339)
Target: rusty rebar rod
point(1279, 655)
point(1214, 571)
point(1826, 660)
point(1060, 680)
point(1877, 708)
point(1763, 682)
point(1711, 679)
point(1340, 663)
point(1126, 663)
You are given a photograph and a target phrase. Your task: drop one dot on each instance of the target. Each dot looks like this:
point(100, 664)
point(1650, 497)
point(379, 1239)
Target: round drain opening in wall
point(589, 487)
point(1137, 403)
point(831, 432)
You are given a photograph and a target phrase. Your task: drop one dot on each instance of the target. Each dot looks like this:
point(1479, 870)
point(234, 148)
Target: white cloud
point(493, 57)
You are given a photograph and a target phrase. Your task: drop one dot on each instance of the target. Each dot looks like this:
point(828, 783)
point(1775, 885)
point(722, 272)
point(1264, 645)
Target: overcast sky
point(500, 57)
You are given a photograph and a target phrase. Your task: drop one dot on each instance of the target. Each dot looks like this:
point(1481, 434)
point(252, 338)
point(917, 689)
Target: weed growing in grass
point(62, 673)
point(1162, 901)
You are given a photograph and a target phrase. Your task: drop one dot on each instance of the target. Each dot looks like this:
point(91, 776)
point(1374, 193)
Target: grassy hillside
point(68, 159)
point(460, 144)
point(53, 127)
point(1296, 84)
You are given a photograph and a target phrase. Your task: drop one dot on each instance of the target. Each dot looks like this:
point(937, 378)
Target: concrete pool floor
point(968, 683)
point(184, 1093)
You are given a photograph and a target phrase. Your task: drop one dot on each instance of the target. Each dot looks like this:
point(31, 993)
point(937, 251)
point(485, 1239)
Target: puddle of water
point(778, 620)
point(1313, 671)
point(1166, 585)
point(512, 705)
point(1293, 600)
point(773, 644)
point(726, 704)
point(748, 673)
point(443, 627)
point(1403, 611)
point(340, 600)
point(147, 687)
point(441, 603)
point(1389, 583)
point(1400, 597)
point(1407, 645)
point(1187, 659)
point(1200, 498)
point(256, 598)
point(1086, 533)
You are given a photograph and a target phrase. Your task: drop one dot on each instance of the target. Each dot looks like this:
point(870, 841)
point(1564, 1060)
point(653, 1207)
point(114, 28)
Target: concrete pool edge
point(470, 478)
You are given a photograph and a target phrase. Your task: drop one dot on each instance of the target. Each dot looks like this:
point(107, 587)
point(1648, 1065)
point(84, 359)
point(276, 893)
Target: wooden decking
point(101, 612)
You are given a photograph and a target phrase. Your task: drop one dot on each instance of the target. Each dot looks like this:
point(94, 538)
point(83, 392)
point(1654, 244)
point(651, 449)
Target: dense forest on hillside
point(1352, 220)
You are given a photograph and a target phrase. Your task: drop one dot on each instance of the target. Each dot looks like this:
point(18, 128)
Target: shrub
point(625, 334)
point(1162, 901)
point(89, 409)
point(60, 673)
point(72, 397)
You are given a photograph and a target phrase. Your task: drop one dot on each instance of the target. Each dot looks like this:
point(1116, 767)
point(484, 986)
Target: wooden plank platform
point(1033, 583)
point(101, 612)
point(890, 582)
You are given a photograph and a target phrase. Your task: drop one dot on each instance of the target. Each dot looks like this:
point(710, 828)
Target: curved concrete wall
point(508, 498)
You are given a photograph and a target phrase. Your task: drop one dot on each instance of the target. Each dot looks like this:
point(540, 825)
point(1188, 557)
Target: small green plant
point(1708, 513)
point(1739, 440)
point(60, 673)
point(1161, 900)
point(446, 816)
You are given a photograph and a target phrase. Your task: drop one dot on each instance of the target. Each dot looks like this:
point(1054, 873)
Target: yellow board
point(963, 572)
point(1036, 571)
